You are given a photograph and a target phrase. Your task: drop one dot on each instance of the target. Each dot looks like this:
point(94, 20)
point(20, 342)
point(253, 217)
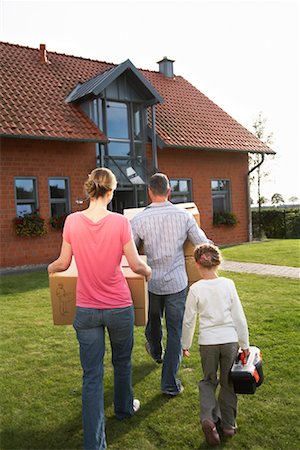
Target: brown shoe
point(211, 434)
point(228, 432)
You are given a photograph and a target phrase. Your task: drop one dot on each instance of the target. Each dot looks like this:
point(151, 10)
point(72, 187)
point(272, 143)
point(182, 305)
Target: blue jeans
point(90, 326)
point(173, 306)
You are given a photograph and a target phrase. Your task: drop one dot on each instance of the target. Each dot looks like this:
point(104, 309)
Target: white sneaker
point(136, 405)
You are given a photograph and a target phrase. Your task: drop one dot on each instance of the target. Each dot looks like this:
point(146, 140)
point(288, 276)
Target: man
point(163, 228)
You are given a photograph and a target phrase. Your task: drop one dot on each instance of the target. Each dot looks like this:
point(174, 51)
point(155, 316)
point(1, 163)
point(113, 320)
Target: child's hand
point(186, 353)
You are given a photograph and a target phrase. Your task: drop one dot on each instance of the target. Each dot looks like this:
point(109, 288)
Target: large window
point(59, 196)
point(26, 195)
point(118, 129)
point(181, 190)
point(221, 196)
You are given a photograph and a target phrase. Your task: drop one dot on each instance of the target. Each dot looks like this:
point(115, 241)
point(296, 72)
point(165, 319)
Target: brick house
point(61, 116)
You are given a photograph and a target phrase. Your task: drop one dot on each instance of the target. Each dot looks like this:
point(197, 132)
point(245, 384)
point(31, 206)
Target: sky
point(242, 54)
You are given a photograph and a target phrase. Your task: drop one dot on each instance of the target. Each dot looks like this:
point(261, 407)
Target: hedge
point(277, 223)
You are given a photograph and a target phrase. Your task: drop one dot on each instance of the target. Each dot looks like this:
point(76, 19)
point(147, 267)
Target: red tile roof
point(32, 104)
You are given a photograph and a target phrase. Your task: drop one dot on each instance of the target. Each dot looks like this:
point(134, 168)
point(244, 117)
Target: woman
point(98, 238)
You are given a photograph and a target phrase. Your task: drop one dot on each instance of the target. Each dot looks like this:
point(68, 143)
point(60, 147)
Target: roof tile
point(33, 103)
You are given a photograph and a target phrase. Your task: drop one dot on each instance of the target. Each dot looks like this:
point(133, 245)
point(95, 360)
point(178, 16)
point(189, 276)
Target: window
point(26, 195)
point(59, 196)
point(181, 190)
point(221, 196)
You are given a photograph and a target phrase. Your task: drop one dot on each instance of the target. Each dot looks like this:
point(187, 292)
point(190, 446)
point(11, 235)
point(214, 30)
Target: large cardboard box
point(63, 294)
point(191, 270)
point(130, 213)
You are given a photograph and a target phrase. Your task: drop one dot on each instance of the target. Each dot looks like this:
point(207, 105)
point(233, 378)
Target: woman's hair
point(99, 182)
point(208, 255)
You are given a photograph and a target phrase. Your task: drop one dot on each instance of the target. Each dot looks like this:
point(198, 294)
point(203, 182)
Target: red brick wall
point(202, 166)
point(41, 159)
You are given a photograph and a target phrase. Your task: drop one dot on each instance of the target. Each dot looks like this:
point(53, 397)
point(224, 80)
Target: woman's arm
point(64, 259)
point(136, 263)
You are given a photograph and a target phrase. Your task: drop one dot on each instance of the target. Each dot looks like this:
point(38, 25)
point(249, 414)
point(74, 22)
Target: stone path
point(230, 266)
point(261, 269)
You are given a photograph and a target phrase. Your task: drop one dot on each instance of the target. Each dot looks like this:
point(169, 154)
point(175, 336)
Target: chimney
point(43, 54)
point(166, 67)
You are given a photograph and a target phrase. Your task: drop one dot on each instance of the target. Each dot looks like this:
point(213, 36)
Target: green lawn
point(282, 252)
point(41, 377)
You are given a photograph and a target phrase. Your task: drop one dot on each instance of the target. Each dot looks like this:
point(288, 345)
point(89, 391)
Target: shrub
point(277, 223)
point(57, 222)
point(224, 218)
point(30, 225)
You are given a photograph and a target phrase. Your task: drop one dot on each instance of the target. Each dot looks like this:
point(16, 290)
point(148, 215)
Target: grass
point(41, 377)
point(282, 252)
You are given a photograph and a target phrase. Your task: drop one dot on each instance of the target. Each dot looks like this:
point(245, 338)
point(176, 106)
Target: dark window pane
point(58, 209)
point(174, 185)
point(119, 148)
point(58, 188)
point(25, 189)
point(118, 167)
point(117, 120)
point(180, 199)
point(223, 185)
point(139, 149)
point(219, 204)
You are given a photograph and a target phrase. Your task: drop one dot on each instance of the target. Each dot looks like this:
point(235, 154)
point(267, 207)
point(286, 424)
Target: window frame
point(35, 202)
point(66, 200)
point(188, 193)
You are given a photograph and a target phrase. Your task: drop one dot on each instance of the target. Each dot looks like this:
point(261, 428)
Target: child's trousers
point(225, 407)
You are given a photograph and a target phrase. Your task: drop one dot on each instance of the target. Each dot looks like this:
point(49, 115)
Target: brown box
point(130, 213)
point(63, 294)
point(191, 270)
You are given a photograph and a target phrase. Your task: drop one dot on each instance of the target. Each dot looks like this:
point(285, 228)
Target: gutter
point(250, 230)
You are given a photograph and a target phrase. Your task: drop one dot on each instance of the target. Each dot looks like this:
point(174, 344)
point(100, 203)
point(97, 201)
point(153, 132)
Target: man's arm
point(195, 234)
point(135, 234)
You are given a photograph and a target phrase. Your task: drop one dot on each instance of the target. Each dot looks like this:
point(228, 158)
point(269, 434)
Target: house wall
point(41, 159)
point(202, 166)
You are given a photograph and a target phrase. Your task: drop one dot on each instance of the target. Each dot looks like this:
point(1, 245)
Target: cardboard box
point(63, 294)
point(191, 270)
point(130, 213)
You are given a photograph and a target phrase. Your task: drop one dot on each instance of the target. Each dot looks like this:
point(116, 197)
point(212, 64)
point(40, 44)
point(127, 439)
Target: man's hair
point(159, 184)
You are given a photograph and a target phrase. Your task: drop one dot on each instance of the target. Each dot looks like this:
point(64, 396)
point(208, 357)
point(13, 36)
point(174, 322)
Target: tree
point(277, 199)
point(294, 199)
point(264, 200)
point(259, 126)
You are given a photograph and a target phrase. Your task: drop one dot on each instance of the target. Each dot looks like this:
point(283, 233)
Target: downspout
point(250, 230)
point(154, 141)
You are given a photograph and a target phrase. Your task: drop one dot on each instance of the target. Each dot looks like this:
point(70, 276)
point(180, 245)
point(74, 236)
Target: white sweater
point(221, 316)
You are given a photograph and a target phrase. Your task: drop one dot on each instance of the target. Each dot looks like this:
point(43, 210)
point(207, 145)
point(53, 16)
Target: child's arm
point(239, 319)
point(189, 322)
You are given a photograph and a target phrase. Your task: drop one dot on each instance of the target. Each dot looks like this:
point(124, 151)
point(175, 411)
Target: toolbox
point(247, 376)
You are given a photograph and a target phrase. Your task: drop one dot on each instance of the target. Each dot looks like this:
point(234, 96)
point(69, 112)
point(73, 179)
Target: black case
point(246, 378)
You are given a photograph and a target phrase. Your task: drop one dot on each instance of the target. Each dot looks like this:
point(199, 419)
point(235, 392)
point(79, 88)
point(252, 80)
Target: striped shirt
point(163, 228)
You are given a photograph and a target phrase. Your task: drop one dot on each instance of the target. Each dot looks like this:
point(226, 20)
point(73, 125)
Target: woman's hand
point(186, 353)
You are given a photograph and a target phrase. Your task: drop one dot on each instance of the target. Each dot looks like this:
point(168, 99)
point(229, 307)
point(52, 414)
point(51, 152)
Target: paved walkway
point(230, 266)
point(261, 269)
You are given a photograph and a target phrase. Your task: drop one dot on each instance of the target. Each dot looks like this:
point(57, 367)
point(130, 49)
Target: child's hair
point(99, 182)
point(208, 255)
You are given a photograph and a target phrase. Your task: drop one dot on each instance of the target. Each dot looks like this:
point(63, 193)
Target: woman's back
point(97, 246)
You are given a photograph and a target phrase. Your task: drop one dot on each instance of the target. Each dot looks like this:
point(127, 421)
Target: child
point(222, 329)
